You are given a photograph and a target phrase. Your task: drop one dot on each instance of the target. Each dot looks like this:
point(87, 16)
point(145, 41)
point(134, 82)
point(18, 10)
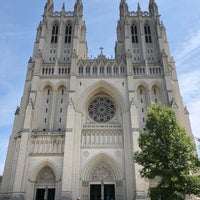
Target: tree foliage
point(167, 155)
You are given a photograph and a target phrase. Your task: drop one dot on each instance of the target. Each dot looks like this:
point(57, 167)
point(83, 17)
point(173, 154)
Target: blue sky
point(19, 20)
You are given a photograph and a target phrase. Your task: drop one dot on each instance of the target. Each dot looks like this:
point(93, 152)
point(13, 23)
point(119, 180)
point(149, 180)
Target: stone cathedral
point(79, 119)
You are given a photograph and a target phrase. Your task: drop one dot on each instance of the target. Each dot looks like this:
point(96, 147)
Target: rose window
point(101, 109)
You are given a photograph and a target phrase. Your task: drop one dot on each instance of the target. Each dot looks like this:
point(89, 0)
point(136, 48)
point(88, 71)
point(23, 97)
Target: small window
point(61, 101)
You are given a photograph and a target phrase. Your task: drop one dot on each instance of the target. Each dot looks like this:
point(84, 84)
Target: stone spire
point(49, 6)
point(123, 8)
point(63, 7)
point(78, 8)
point(138, 7)
point(153, 8)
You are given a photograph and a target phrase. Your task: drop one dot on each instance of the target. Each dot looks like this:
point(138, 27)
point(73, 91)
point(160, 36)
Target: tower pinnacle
point(153, 8)
point(49, 6)
point(123, 8)
point(78, 8)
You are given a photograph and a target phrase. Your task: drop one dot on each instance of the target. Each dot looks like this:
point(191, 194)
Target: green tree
point(168, 156)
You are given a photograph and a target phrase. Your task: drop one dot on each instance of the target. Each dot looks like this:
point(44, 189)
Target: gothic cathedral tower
point(79, 118)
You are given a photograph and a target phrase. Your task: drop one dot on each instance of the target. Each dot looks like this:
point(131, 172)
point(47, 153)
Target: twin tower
point(79, 118)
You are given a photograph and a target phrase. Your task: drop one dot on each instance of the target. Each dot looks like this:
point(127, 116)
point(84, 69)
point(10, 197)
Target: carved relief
point(47, 144)
point(102, 138)
point(102, 173)
point(46, 175)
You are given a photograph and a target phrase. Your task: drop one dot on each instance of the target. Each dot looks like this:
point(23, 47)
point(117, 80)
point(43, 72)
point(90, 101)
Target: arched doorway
point(102, 179)
point(45, 185)
point(102, 183)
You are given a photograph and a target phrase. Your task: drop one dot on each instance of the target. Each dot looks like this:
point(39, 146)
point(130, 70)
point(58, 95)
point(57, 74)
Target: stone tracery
point(101, 109)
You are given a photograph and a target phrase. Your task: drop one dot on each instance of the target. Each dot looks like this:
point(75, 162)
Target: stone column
point(68, 154)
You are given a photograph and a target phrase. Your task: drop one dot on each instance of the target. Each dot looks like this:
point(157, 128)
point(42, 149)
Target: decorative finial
point(101, 49)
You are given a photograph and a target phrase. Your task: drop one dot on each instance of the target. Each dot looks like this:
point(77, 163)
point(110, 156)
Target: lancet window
point(68, 34)
point(54, 36)
point(147, 32)
point(134, 33)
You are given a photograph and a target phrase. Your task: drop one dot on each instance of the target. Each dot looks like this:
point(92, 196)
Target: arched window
point(156, 94)
point(101, 70)
point(147, 32)
point(122, 70)
point(94, 70)
point(115, 70)
point(68, 34)
point(80, 70)
point(109, 70)
point(54, 36)
point(87, 70)
point(134, 33)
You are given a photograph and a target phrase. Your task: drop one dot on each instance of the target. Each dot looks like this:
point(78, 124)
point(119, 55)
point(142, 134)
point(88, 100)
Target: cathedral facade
point(79, 119)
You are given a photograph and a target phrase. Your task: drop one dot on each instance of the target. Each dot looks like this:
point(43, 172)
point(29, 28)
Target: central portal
point(97, 191)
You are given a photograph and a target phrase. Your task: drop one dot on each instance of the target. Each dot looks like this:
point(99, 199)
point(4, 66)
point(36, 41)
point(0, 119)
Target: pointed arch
point(46, 84)
point(156, 92)
point(45, 163)
point(61, 84)
point(142, 83)
point(96, 160)
point(101, 86)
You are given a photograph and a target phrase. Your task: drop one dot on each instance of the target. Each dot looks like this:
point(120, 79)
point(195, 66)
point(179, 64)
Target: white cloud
point(190, 47)
point(189, 84)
